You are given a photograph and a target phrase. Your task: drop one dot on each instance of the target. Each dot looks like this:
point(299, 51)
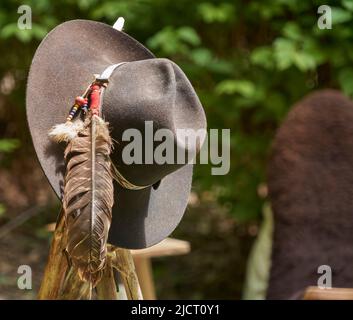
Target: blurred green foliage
point(248, 60)
point(8, 145)
point(2, 210)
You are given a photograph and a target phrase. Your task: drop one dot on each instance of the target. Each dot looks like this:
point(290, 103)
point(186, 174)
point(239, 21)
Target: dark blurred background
point(249, 61)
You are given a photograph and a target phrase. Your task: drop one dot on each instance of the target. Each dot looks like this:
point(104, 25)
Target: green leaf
point(111, 9)
point(304, 61)
point(201, 56)
point(292, 31)
point(172, 40)
point(263, 56)
point(86, 4)
point(312, 48)
point(9, 145)
point(348, 4)
point(9, 30)
point(284, 53)
point(220, 66)
point(345, 78)
point(243, 87)
point(211, 13)
point(38, 31)
point(167, 41)
point(340, 15)
point(188, 35)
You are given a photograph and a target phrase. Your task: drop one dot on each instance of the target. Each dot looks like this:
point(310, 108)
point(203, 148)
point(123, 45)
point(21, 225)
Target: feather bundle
point(88, 197)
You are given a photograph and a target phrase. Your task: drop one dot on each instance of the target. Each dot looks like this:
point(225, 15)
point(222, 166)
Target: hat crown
point(148, 96)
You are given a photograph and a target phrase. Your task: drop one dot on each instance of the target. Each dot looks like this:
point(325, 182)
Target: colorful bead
point(73, 110)
point(80, 101)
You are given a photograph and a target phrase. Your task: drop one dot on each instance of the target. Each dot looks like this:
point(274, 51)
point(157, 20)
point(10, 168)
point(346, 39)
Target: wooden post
point(123, 262)
point(144, 272)
point(143, 262)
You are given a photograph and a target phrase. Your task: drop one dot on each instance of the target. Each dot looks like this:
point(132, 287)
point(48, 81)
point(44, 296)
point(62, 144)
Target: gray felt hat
point(145, 89)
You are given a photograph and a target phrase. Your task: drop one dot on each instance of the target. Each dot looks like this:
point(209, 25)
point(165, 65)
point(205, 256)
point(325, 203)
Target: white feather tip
point(66, 131)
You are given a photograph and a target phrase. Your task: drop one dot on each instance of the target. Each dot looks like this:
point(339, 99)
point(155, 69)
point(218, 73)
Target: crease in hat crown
point(104, 76)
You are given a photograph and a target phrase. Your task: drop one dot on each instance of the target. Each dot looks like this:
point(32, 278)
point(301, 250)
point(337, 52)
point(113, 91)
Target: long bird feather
point(88, 198)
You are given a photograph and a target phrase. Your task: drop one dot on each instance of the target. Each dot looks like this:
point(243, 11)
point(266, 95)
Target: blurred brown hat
point(310, 178)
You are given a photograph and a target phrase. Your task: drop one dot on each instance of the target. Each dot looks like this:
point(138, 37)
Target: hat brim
point(61, 69)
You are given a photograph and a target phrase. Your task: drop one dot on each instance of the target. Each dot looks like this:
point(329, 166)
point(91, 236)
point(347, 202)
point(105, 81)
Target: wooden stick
point(56, 267)
point(123, 262)
point(19, 219)
point(315, 293)
point(106, 288)
point(143, 268)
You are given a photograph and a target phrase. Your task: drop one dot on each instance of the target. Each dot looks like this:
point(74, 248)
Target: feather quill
point(88, 198)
